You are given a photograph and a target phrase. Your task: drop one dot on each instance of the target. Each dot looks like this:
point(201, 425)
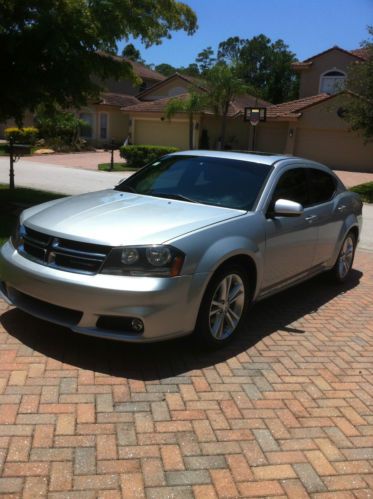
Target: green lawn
point(13, 202)
point(118, 167)
point(365, 191)
point(3, 149)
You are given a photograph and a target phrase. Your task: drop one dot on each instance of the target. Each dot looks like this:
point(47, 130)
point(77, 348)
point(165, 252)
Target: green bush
point(27, 135)
point(138, 156)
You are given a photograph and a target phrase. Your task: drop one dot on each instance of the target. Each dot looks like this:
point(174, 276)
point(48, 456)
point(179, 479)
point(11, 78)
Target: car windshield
point(222, 182)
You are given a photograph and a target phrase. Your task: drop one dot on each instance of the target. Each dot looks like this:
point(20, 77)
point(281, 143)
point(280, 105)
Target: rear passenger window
point(292, 186)
point(322, 186)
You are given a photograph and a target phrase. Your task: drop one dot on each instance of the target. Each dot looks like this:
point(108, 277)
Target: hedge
point(138, 156)
point(27, 135)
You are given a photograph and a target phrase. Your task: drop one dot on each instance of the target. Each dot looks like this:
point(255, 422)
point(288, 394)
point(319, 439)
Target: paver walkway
point(85, 160)
point(284, 411)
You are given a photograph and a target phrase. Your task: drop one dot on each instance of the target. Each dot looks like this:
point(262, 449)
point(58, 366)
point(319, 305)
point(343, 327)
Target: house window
point(332, 82)
point(87, 131)
point(103, 125)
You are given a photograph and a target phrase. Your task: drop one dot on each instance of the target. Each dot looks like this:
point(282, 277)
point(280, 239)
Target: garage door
point(336, 148)
point(162, 133)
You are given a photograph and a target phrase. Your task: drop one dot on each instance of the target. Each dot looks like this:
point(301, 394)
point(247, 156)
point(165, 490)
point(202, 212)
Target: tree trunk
point(223, 131)
point(191, 130)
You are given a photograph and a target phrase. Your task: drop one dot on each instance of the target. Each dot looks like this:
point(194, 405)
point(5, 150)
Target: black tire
point(203, 330)
point(342, 267)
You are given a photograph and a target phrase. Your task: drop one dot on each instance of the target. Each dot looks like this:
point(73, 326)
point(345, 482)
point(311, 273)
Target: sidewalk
point(49, 177)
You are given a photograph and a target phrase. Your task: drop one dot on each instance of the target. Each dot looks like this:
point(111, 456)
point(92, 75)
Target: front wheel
point(223, 307)
point(345, 259)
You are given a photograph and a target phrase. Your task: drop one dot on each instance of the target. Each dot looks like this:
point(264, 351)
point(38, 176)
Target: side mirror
point(287, 208)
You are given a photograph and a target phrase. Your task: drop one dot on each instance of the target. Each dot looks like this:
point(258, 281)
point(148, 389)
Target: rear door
point(330, 212)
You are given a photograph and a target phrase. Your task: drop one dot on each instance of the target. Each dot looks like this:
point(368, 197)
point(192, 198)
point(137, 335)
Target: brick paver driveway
point(286, 410)
point(84, 160)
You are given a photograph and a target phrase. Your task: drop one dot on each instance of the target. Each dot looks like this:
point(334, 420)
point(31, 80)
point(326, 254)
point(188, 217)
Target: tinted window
point(293, 186)
point(218, 181)
point(322, 186)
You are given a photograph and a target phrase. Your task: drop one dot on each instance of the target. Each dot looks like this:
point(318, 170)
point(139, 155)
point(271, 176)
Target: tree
point(359, 110)
point(191, 104)
point(223, 85)
point(263, 64)
point(55, 51)
point(205, 60)
point(229, 51)
point(132, 53)
point(165, 69)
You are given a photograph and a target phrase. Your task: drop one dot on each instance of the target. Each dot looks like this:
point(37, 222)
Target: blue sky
point(307, 26)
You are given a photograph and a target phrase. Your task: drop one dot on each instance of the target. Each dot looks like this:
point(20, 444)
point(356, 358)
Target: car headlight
point(17, 235)
point(156, 261)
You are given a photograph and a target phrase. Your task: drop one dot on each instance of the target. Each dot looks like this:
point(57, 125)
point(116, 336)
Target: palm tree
point(191, 104)
point(222, 86)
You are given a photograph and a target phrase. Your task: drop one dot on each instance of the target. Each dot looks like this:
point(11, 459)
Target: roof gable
point(173, 78)
point(357, 54)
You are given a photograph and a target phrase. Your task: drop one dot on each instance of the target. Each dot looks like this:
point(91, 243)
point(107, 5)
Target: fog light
point(137, 325)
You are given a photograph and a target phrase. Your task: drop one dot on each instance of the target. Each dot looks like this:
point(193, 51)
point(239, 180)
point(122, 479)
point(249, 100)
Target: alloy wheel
point(345, 257)
point(227, 306)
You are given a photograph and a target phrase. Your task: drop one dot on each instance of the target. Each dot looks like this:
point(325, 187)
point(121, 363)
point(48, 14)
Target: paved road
point(53, 178)
point(366, 237)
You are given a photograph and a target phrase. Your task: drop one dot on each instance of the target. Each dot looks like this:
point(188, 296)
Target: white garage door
point(162, 133)
point(335, 148)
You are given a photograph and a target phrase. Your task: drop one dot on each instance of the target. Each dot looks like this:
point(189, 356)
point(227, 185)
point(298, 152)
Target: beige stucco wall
point(310, 78)
point(237, 134)
point(174, 87)
point(323, 136)
point(118, 123)
point(271, 137)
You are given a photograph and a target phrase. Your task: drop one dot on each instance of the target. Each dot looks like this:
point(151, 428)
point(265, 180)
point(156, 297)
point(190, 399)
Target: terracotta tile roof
point(158, 106)
point(145, 72)
point(118, 100)
point(139, 69)
point(294, 107)
point(151, 106)
point(361, 53)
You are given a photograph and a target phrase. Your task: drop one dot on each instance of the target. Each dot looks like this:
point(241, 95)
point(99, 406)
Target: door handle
point(311, 218)
point(342, 207)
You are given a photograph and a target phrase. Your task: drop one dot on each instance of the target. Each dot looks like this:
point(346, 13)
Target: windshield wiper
point(179, 197)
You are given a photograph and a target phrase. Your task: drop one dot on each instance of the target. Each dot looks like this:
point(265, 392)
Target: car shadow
point(157, 361)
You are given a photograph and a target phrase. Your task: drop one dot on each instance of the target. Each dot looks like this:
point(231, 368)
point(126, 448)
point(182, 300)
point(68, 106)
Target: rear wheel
point(223, 307)
point(345, 259)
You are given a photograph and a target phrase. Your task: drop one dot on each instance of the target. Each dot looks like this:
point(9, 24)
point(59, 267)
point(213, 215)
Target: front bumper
point(168, 307)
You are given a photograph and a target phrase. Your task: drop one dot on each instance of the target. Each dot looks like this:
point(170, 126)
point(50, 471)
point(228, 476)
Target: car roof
point(255, 157)
point(264, 158)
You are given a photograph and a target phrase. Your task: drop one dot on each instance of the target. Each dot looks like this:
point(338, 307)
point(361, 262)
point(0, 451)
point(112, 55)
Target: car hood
point(120, 218)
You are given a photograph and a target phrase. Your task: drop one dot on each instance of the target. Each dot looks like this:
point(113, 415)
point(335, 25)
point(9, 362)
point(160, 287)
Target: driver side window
point(292, 186)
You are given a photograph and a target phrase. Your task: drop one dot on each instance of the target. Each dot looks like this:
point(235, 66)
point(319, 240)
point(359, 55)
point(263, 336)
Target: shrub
point(138, 156)
point(60, 129)
point(27, 135)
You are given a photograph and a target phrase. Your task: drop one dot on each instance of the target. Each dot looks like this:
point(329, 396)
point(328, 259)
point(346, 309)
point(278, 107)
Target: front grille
point(63, 254)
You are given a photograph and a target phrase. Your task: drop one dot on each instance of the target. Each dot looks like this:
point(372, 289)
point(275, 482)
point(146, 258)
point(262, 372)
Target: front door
point(290, 241)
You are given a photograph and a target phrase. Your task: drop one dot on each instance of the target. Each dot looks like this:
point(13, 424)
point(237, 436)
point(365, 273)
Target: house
point(149, 125)
point(311, 126)
point(104, 117)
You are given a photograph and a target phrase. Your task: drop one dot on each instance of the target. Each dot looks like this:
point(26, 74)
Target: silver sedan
point(183, 246)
